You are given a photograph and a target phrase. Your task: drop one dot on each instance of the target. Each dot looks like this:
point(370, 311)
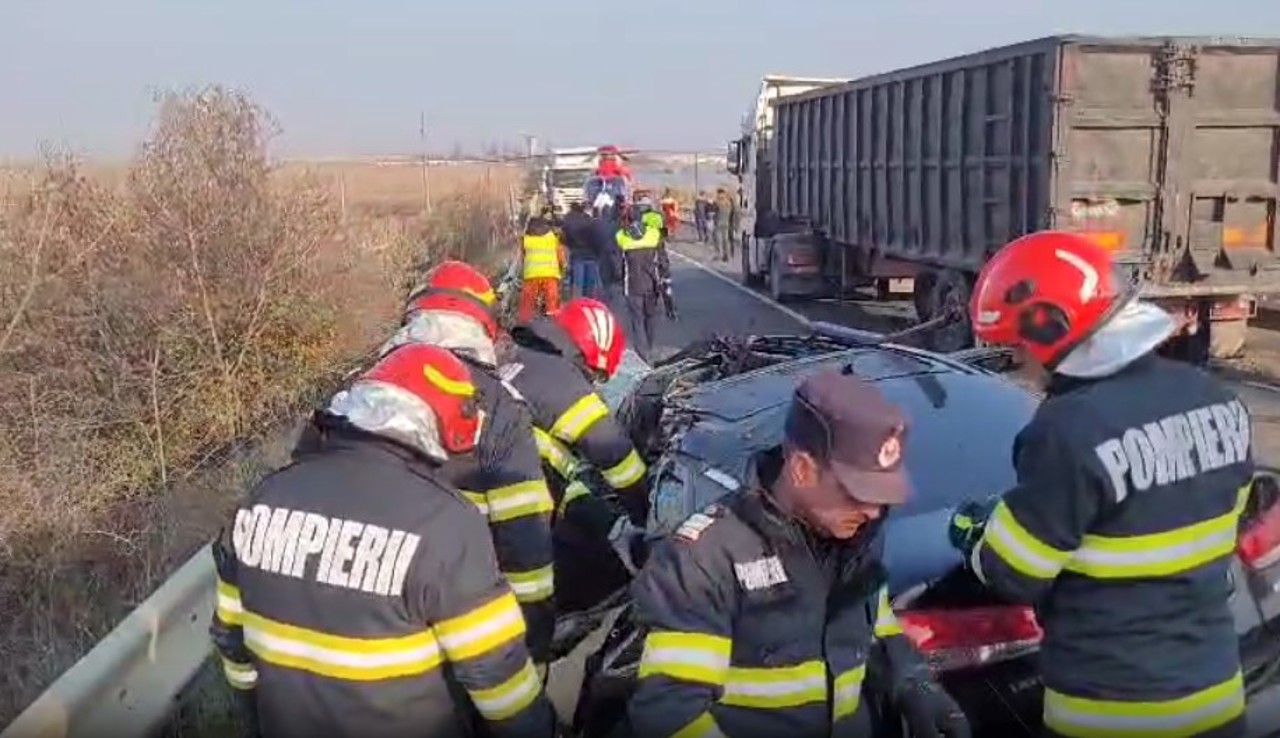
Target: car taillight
point(975, 636)
point(1259, 545)
point(801, 258)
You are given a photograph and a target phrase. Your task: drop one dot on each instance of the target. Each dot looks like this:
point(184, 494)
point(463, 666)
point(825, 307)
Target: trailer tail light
point(970, 637)
point(802, 258)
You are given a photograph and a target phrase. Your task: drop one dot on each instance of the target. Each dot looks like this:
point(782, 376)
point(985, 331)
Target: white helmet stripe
point(1090, 274)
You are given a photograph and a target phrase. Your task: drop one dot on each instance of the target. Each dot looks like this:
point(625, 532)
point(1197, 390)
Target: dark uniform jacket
point(579, 235)
point(1121, 531)
point(644, 259)
point(756, 627)
point(570, 420)
point(358, 595)
point(504, 479)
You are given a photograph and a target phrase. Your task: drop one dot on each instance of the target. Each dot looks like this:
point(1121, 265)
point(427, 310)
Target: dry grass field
point(163, 323)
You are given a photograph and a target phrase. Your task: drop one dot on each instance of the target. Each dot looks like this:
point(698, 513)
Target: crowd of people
point(403, 574)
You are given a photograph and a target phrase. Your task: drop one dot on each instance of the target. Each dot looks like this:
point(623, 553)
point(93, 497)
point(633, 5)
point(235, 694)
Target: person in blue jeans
point(580, 239)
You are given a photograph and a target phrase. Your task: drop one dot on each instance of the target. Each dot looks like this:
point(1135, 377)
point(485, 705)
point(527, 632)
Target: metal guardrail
point(133, 680)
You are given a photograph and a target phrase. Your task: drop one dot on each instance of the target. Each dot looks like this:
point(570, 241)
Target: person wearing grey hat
point(764, 612)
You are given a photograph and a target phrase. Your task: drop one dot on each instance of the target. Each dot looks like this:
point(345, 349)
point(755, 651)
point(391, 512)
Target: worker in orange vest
point(670, 213)
point(543, 259)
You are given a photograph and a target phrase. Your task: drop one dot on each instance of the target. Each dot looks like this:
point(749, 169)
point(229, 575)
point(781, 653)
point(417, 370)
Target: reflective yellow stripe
point(773, 688)
point(339, 657)
point(532, 586)
point(886, 622)
point(704, 726)
point(1181, 718)
point(229, 607)
point(1019, 549)
point(693, 657)
point(478, 499)
point(571, 493)
point(239, 676)
point(1159, 554)
point(486, 628)
point(510, 697)
point(541, 257)
point(626, 472)
point(519, 500)
point(652, 236)
point(847, 692)
point(554, 453)
point(578, 419)
point(452, 386)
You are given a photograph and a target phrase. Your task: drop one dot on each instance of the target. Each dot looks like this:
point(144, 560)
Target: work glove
point(968, 523)
point(929, 711)
point(628, 542)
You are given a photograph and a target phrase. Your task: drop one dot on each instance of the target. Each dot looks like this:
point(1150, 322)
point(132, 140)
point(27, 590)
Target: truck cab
point(772, 251)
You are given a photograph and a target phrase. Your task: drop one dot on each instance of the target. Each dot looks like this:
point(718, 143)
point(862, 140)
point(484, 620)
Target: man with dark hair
point(580, 240)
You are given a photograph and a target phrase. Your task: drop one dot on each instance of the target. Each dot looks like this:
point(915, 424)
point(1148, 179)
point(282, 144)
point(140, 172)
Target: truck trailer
point(1164, 150)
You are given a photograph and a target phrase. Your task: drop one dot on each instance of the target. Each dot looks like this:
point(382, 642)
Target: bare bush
point(147, 329)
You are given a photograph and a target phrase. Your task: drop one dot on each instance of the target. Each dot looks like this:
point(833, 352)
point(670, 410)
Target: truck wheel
point(950, 290)
point(882, 291)
point(749, 278)
point(1227, 338)
point(920, 294)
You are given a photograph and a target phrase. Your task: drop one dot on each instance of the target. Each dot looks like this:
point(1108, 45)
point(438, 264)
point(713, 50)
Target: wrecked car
point(700, 416)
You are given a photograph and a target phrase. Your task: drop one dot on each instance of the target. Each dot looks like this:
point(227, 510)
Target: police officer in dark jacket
point(1131, 478)
point(554, 366)
point(503, 477)
point(358, 593)
point(645, 266)
point(768, 614)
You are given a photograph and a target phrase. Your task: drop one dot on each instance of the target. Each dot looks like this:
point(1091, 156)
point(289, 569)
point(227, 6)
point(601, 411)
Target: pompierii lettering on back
point(334, 551)
point(1176, 448)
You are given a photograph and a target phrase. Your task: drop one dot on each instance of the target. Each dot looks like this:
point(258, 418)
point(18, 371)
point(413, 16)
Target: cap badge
point(890, 452)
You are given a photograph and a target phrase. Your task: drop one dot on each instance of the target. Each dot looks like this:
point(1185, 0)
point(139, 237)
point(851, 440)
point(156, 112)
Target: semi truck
point(566, 175)
point(1164, 150)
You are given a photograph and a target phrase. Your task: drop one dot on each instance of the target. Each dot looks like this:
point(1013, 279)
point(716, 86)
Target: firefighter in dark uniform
point(768, 613)
point(453, 310)
point(555, 364)
point(358, 592)
point(645, 266)
point(1131, 478)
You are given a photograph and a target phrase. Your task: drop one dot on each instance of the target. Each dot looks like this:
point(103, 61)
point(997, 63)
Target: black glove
point(929, 711)
point(968, 523)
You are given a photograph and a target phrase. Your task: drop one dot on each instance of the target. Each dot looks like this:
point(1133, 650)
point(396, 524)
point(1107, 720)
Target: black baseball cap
point(847, 424)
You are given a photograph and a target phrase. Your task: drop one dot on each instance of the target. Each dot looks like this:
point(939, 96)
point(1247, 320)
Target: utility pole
point(696, 189)
point(426, 170)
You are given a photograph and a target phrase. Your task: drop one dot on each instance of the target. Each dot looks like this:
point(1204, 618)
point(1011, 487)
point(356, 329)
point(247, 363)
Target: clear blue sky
point(350, 77)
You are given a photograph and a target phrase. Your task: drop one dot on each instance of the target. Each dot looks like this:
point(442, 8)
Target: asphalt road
point(711, 301)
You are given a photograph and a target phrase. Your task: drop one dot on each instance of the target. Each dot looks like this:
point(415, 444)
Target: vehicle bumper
point(802, 284)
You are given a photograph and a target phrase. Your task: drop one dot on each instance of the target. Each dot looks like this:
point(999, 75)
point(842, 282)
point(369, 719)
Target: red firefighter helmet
point(1046, 293)
point(595, 331)
point(458, 287)
point(442, 382)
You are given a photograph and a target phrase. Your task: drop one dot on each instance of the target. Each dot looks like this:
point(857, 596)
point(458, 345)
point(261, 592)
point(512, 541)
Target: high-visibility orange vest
point(541, 256)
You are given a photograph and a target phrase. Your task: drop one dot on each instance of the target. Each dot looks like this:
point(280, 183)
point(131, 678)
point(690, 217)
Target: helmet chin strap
point(1135, 331)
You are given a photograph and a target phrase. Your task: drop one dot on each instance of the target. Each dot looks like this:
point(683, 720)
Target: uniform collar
point(327, 432)
point(544, 335)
